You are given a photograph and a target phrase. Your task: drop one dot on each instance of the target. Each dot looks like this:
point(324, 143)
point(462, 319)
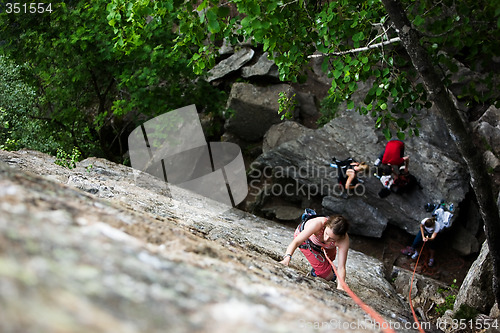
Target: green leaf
point(402, 123)
point(213, 23)
point(337, 73)
point(223, 11)
point(387, 133)
point(202, 5)
point(418, 21)
point(401, 135)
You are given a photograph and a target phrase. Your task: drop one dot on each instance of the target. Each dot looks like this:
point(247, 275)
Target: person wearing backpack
point(315, 233)
point(429, 228)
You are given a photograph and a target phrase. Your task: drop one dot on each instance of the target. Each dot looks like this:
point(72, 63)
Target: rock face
point(488, 129)
point(89, 250)
point(434, 160)
point(281, 133)
point(476, 290)
point(255, 109)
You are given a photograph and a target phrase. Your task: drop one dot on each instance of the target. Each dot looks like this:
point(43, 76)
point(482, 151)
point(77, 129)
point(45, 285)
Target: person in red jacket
point(393, 154)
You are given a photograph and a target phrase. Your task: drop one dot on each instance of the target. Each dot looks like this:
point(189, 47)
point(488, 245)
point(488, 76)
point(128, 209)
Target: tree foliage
point(98, 66)
point(358, 41)
point(92, 84)
point(17, 100)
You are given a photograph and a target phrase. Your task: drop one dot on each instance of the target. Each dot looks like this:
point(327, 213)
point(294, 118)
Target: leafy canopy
point(90, 82)
point(357, 39)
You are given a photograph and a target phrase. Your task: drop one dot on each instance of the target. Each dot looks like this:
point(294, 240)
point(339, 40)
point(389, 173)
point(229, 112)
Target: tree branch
point(360, 49)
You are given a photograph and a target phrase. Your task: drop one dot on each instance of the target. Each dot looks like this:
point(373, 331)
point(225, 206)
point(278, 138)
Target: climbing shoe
point(414, 255)
point(431, 262)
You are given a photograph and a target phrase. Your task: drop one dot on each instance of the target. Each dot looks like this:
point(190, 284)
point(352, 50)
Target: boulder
point(492, 162)
point(134, 260)
point(231, 64)
point(476, 290)
point(284, 213)
point(464, 241)
point(425, 292)
point(264, 67)
point(281, 133)
point(434, 161)
point(307, 104)
point(254, 109)
point(488, 128)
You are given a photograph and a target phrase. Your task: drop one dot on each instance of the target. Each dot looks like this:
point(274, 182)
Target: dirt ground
point(449, 267)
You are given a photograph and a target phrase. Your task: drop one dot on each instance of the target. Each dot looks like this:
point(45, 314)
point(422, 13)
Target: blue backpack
point(308, 214)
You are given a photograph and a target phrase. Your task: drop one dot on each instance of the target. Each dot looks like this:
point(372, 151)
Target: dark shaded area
point(449, 264)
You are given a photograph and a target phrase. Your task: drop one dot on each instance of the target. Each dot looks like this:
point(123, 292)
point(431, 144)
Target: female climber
point(317, 232)
point(351, 174)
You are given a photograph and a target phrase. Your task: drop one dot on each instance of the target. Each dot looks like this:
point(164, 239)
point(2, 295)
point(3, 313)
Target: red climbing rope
point(374, 314)
point(411, 286)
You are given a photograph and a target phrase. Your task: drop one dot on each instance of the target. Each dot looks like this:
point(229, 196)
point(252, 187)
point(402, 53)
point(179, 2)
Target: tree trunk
point(460, 132)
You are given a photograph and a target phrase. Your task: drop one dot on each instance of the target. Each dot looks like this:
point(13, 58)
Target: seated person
point(429, 228)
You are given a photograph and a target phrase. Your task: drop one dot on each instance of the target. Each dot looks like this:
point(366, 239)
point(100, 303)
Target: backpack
point(444, 213)
point(404, 183)
point(398, 184)
point(308, 214)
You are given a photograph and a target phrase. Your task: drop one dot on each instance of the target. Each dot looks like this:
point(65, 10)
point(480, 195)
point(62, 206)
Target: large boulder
point(434, 160)
point(476, 290)
point(127, 258)
point(281, 133)
point(254, 109)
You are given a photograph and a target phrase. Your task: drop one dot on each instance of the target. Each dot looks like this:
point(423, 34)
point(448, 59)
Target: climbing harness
point(374, 314)
point(308, 244)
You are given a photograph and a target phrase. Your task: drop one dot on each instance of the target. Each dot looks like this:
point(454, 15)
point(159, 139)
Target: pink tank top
point(318, 242)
